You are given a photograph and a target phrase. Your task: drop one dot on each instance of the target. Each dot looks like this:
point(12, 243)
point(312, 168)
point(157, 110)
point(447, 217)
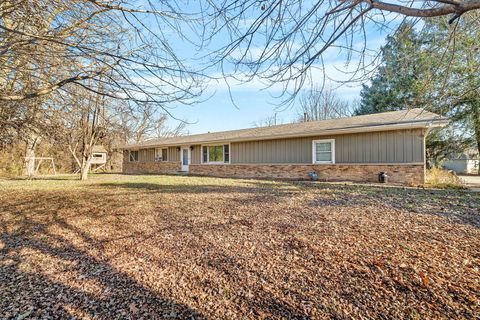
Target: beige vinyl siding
point(295, 150)
point(196, 154)
point(173, 154)
point(405, 146)
point(402, 146)
point(146, 155)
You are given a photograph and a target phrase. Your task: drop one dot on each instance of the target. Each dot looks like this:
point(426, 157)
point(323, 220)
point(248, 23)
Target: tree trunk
point(85, 168)
point(31, 142)
point(476, 126)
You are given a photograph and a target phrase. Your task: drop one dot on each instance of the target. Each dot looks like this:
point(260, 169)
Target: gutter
point(418, 124)
point(437, 123)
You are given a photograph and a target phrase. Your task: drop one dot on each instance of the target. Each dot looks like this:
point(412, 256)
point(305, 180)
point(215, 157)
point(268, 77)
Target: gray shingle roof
point(416, 117)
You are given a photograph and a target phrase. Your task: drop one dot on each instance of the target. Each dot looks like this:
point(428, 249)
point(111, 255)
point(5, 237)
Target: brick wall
point(150, 167)
point(405, 174)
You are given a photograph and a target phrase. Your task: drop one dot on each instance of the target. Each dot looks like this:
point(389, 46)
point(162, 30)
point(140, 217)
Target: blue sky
point(252, 101)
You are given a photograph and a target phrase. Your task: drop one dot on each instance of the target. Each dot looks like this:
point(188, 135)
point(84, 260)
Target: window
point(204, 155)
point(133, 156)
point(216, 154)
point(161, 154)
point(323, 151)
point(226, 153)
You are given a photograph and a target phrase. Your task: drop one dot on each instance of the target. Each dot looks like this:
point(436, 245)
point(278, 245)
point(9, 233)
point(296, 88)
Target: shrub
point(439, 178)
point(11, 161)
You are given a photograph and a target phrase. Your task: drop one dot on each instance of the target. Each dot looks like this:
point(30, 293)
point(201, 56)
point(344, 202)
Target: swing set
point(40, 160)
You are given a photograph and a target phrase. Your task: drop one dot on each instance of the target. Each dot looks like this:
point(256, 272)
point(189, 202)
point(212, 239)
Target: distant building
point(466, 163)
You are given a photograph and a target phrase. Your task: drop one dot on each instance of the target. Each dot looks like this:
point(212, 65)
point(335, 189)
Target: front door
point(185, 158)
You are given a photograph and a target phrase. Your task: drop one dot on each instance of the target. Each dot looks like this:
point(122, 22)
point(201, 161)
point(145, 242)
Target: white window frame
point(158, 154)
point(314, 151)
point(208, 153)
point(130, 155)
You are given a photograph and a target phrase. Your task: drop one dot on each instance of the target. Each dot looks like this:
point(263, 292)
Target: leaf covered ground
point(183, 247)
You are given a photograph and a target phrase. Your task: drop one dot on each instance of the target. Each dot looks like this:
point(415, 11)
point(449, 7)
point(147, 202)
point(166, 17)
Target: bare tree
point(269, 121)
point(138, 124)
point(31, 143)
point(163, 130)
point(281, 42)
point(53, 43)
point(321, 103)
point(80, 119)
point(82, 122)
point(88, 53)
point(22, 122)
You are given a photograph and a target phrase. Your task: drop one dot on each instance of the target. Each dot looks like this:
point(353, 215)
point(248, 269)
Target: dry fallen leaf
point(424, 278)
point(188, 247)
point(133, 308)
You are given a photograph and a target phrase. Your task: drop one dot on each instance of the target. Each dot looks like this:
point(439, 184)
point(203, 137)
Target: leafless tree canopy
point(322, 103)
point(47, 44)
point(269, 121)
point(281, 41)
point(144, 124)
point(68, 68)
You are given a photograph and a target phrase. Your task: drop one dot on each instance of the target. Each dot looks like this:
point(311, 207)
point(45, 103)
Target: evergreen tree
point(429, 69)
point(454, 91)
point(396, 85)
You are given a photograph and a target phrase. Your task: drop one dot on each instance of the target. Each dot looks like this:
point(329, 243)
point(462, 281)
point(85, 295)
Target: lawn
point(184, 247)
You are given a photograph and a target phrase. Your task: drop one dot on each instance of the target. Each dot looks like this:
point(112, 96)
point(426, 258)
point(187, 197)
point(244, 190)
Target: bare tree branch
point(457, 8)
point(47, 90)
point(285, 43)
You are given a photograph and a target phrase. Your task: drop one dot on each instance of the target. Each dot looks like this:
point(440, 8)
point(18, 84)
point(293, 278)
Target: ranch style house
point(346, 149)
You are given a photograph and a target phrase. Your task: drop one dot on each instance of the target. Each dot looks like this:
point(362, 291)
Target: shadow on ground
point(248, 248)
point(461, 206)
point(26, 292)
